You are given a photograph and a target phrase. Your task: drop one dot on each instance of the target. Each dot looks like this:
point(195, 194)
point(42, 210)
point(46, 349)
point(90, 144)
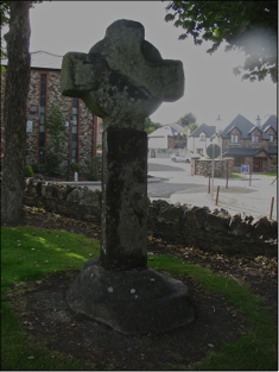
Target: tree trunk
point(17, 86)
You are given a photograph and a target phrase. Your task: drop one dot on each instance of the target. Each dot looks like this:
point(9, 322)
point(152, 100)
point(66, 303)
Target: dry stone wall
point(221, 167)
point(215, 231)
point(70, 201)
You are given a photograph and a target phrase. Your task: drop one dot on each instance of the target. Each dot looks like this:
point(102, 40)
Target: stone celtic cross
point(124, 79)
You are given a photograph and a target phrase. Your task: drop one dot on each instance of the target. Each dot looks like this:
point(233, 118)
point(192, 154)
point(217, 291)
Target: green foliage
point(187, 120)
point(250, 26)
point(74, 167)
point(35, 167)
point(4, 13)
point(52, 165)
point(28, 254)
point(95, 170)
point(4, 19)
point(28, 171)
point(55, 125)
point(192, 127)
point(150, 126)
point(5, 10)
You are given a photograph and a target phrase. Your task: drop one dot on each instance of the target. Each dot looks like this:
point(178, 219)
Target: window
point(271, 138)
point(234, 138)
point(42, 117)
point(74, 131)
point(255, 139)
point(202, 137)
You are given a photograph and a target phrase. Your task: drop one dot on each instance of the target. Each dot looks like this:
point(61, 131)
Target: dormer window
point(202, 137)
point(255, 139)
point(234, 138)
point(271, 138)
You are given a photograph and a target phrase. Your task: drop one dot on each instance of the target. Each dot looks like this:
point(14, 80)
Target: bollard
point(227, 180)
point(250, 178)
point(209, 179)
point(271, 208)
point(227, 176)
point(217, 195)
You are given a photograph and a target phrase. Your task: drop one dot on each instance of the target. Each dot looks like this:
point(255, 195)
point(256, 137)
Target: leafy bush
point(95, 170)
point(74, 167)
point(52, 167)
point(28, 171)
point(36, 168)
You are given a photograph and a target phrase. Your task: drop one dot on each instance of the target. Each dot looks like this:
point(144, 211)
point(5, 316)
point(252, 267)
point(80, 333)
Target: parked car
point(180, 159)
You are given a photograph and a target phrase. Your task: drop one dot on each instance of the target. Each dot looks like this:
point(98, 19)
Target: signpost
point(213, 151)
point(245, 168)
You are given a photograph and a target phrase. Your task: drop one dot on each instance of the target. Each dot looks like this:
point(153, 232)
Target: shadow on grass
point(30, 254)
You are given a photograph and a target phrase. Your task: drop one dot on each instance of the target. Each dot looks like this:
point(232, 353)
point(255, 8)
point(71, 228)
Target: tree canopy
point(250, 26)
point(187, 120)
point(4, 19)
point(150, 126)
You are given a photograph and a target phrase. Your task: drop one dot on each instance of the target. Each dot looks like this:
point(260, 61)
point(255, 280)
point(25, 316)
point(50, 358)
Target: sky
point(211, 88)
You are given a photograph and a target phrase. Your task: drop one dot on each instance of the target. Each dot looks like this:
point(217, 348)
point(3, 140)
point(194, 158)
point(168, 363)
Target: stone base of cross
point(137, 301)
point(123, 79)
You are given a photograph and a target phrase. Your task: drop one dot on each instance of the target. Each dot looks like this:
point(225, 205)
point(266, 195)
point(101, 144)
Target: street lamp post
point(212, 171)
point(218, 129)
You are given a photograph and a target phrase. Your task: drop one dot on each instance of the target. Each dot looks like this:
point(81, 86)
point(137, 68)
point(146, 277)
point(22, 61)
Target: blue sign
point(245, 168)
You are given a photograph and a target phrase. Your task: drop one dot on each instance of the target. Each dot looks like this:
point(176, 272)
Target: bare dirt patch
point(43, 312)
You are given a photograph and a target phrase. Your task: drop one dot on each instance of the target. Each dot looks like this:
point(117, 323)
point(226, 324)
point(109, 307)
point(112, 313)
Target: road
point(174, 183)
point(178, 186)
point(171, 178)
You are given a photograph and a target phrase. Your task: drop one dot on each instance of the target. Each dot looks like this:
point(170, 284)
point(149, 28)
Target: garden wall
point(222, 167)
point(215, 231)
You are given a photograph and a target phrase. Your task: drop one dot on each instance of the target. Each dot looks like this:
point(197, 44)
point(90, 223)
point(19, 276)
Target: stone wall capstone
point(213, 231)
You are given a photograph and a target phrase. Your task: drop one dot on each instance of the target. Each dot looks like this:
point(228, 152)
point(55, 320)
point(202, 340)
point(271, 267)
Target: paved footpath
point(240, 197)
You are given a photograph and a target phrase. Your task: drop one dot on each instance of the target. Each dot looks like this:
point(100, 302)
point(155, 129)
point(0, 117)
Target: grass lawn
point(29, 254)
point(242, 175)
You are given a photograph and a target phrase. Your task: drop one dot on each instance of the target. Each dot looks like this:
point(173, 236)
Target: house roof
point(272, 150)
point(242, 151)
point(166, 130)
point(242, 124)
point(208, 130)
point(177, 127)
point(271, 122)
point(42, 59)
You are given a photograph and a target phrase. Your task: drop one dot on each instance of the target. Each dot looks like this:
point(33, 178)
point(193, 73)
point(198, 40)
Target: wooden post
point(209, 179)
point(250, 177)
point(227, 179)
point(217, 195)
point(271, 208)
point(274, 180)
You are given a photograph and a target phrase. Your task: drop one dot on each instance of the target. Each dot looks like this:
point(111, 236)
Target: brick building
point(80, 137)
point(251, 144)
point(246, 143)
